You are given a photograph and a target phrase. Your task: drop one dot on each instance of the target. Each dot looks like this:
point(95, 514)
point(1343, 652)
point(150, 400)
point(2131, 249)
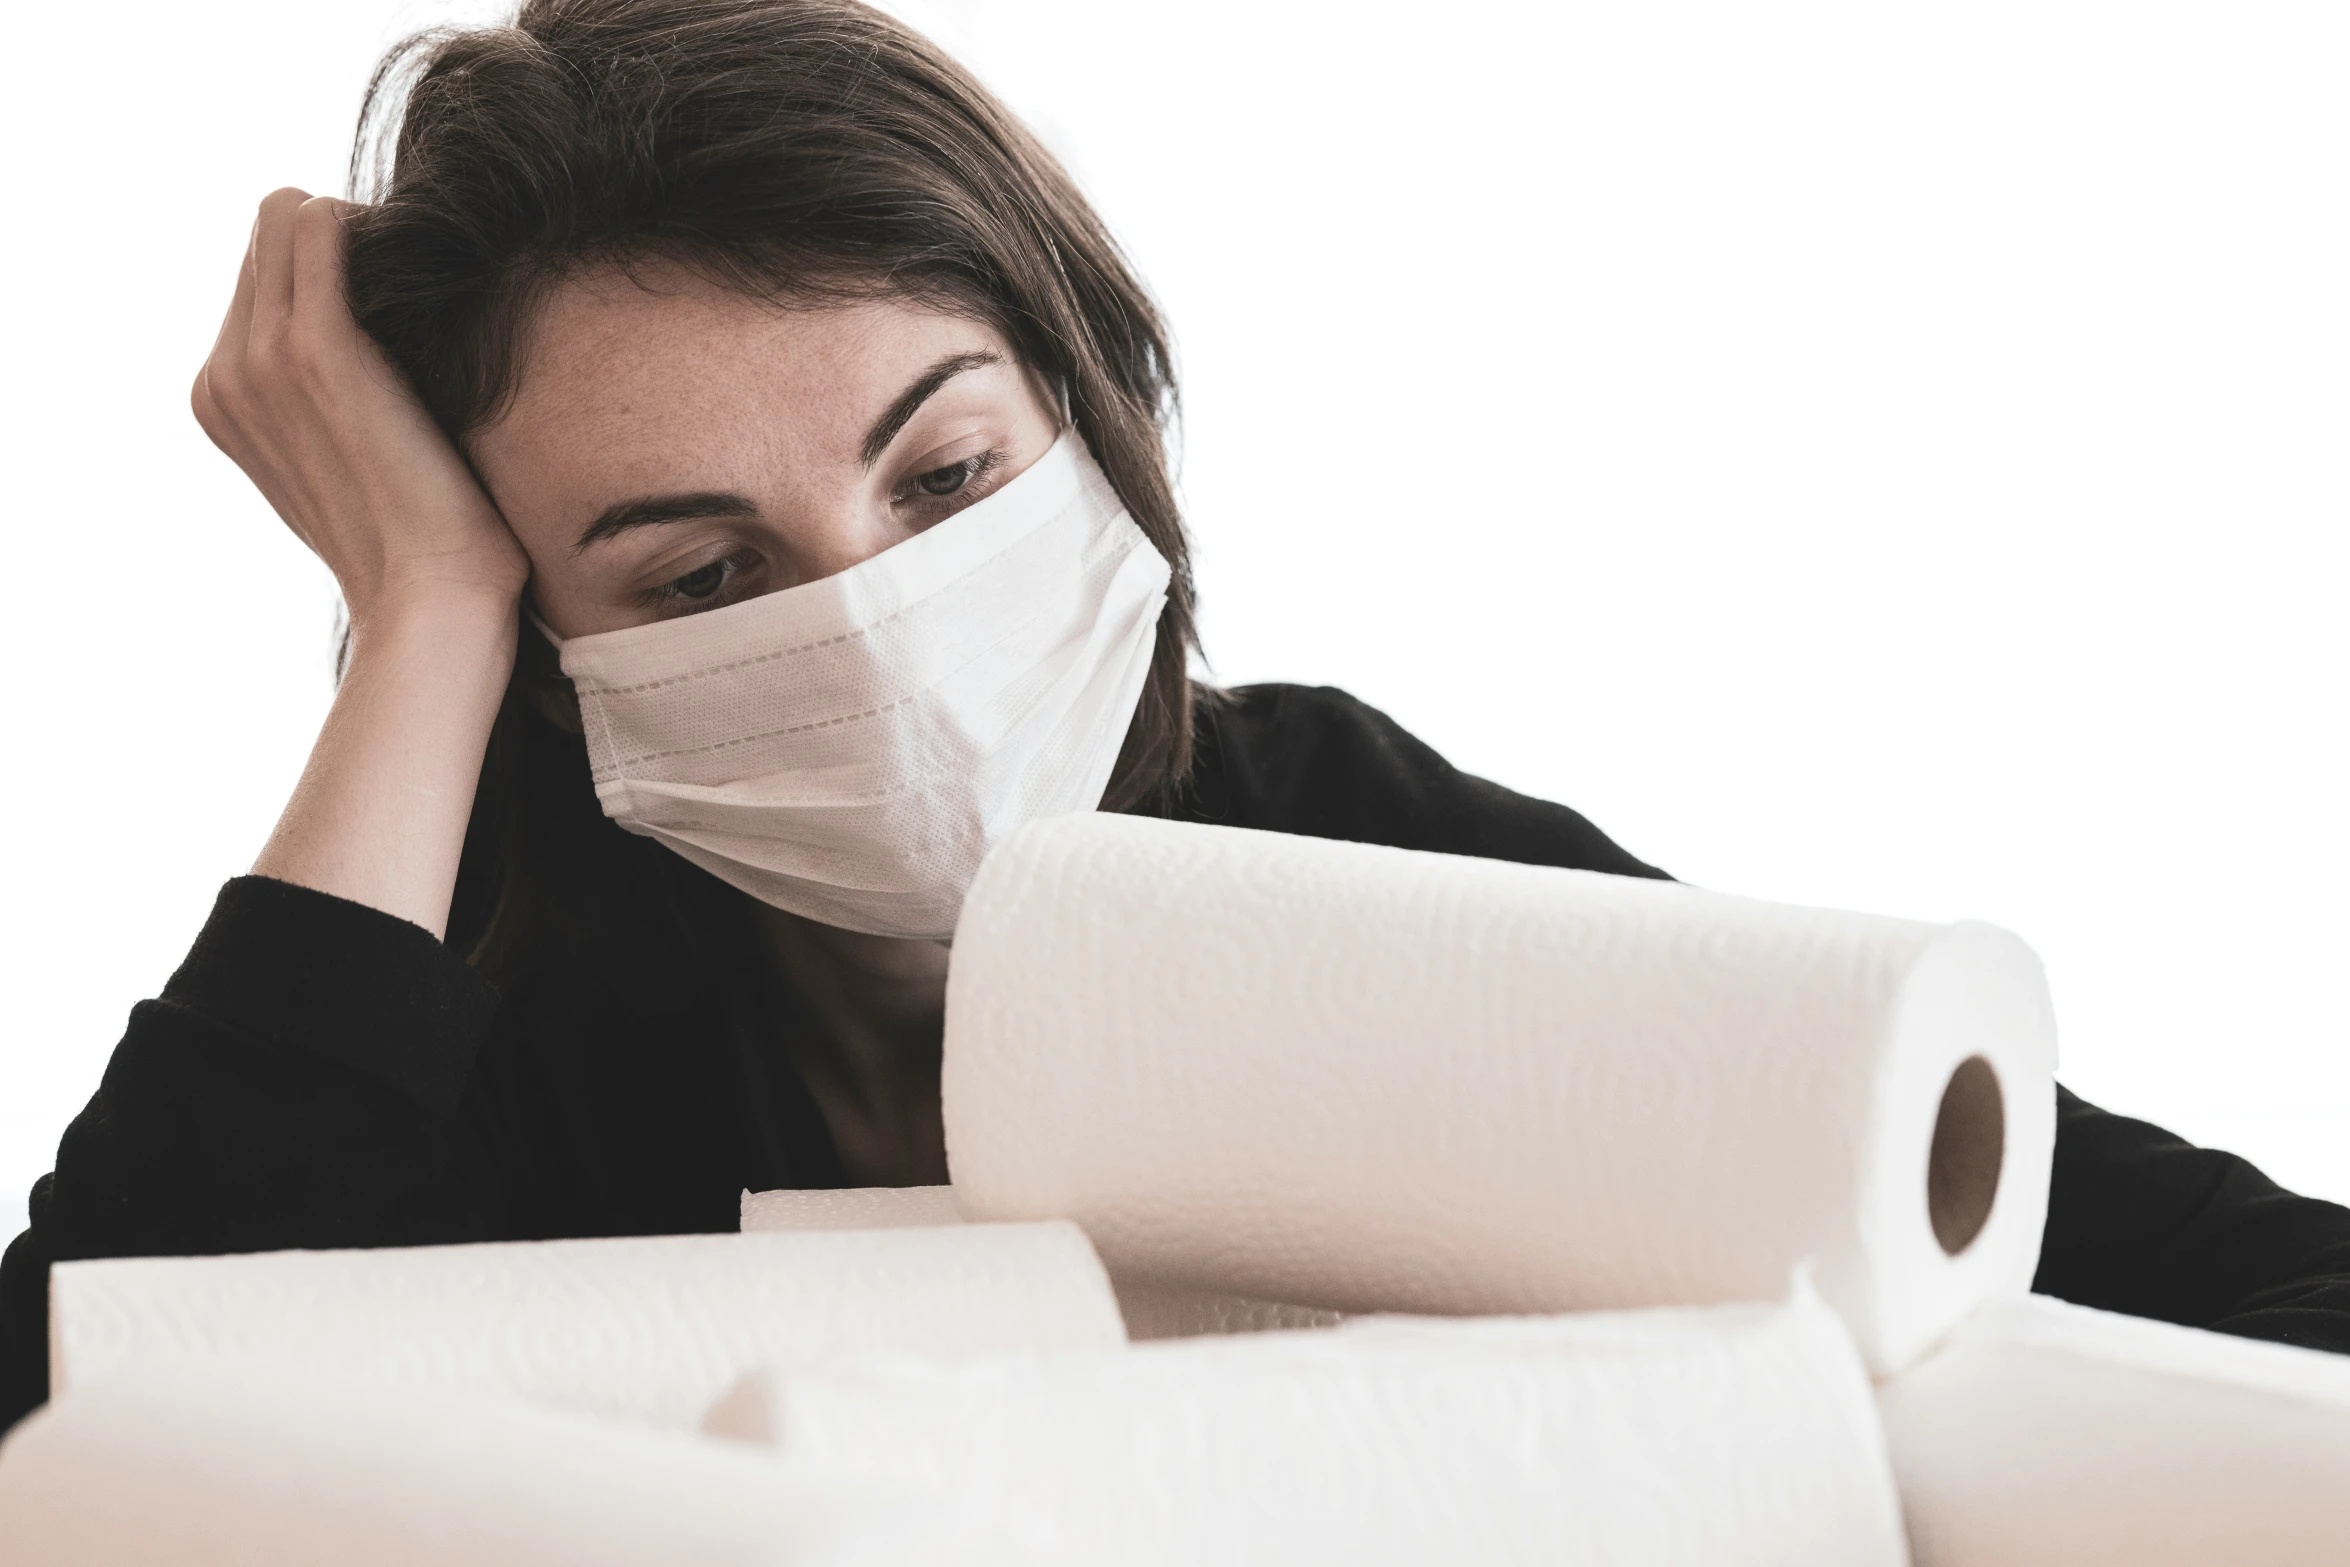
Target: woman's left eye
point(963, 482)
point(947, 480)
point(701, 584)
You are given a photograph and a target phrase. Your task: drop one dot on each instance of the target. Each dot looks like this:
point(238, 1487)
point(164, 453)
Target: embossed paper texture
point(216, 1464)
point(2048, 1435)
point(651, 1328)
point(1152, 1310)
point(1669, 1438)
point(1370, 1079)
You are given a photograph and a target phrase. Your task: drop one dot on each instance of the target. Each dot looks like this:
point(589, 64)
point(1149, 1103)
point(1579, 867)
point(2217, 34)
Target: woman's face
point(679, 447)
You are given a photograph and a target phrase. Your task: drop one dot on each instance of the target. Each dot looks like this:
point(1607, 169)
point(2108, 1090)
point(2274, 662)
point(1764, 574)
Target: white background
point(1874, 455)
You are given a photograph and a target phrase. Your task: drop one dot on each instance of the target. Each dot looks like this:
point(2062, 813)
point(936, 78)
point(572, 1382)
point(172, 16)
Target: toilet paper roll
point(2048, 1435)
point(223, 1465)
point(648, 1328)
point(1732, 1434)
point(1371, 1079)
point(1151, 1310)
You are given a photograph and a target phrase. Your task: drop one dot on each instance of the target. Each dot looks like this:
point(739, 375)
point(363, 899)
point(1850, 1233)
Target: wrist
point(465, 611)
point(449, 627)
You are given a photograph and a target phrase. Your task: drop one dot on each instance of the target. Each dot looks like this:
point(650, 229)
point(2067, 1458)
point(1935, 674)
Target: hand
point(329, 431)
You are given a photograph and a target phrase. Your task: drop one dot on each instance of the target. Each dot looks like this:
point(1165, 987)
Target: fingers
point(254, 327)
point(308, 405)
point(239, 319)
point(273, 263)
point(320, 311)
point(226, 361)
point(200, 404)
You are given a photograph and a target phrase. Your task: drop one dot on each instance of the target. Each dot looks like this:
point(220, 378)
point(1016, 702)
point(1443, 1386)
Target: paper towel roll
point(1733, 1434)
point(1151, 1310)
point(1372, 1079)
point(222, 1465)
point(2047, 1435)
point(648, 1328)
point(850, 1208)
point(1157, 1311)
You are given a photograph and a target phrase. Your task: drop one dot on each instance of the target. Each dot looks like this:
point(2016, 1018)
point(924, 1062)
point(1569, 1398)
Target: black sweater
point(322, 1074)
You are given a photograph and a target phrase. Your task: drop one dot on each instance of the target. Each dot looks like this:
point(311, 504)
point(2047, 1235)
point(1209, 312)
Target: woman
point(670, 307)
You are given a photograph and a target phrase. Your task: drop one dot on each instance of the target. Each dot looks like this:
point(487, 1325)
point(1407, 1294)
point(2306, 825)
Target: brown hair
point(803, 151)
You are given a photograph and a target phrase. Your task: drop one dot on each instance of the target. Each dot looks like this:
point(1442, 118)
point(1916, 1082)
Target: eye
point(947, 480)
point(722, 581)
point(705, 582)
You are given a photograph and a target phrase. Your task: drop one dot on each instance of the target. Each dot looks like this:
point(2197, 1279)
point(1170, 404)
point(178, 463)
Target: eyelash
point(976, 468)
point(671, 595)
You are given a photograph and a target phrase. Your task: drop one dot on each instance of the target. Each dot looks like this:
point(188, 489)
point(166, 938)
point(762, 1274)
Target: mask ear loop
point(545, 630)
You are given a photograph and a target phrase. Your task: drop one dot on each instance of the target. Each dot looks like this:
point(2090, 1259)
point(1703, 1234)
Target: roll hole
point(1962, 1171)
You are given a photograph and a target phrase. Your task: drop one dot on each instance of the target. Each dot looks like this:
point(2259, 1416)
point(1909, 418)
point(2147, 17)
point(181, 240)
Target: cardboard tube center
point(1970, 1139)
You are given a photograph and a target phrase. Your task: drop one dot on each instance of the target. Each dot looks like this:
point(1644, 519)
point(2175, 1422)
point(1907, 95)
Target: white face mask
point(848, 749)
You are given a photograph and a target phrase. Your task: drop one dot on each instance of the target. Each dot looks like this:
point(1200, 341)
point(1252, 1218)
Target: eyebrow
point(909, 402)
point(648, 510)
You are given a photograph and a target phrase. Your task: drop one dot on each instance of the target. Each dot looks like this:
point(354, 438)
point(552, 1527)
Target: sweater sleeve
point(2142, 1222)
point(300, 1082)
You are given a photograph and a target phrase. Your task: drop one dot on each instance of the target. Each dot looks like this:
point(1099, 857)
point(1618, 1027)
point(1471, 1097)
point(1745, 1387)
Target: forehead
point(612, 355)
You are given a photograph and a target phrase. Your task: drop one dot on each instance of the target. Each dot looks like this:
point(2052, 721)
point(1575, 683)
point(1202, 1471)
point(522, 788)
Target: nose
point(841, 531)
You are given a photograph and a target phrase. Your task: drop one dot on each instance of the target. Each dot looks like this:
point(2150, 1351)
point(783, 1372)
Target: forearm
point(379, 815)
point(305, 1079)
point(2142, 1222)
